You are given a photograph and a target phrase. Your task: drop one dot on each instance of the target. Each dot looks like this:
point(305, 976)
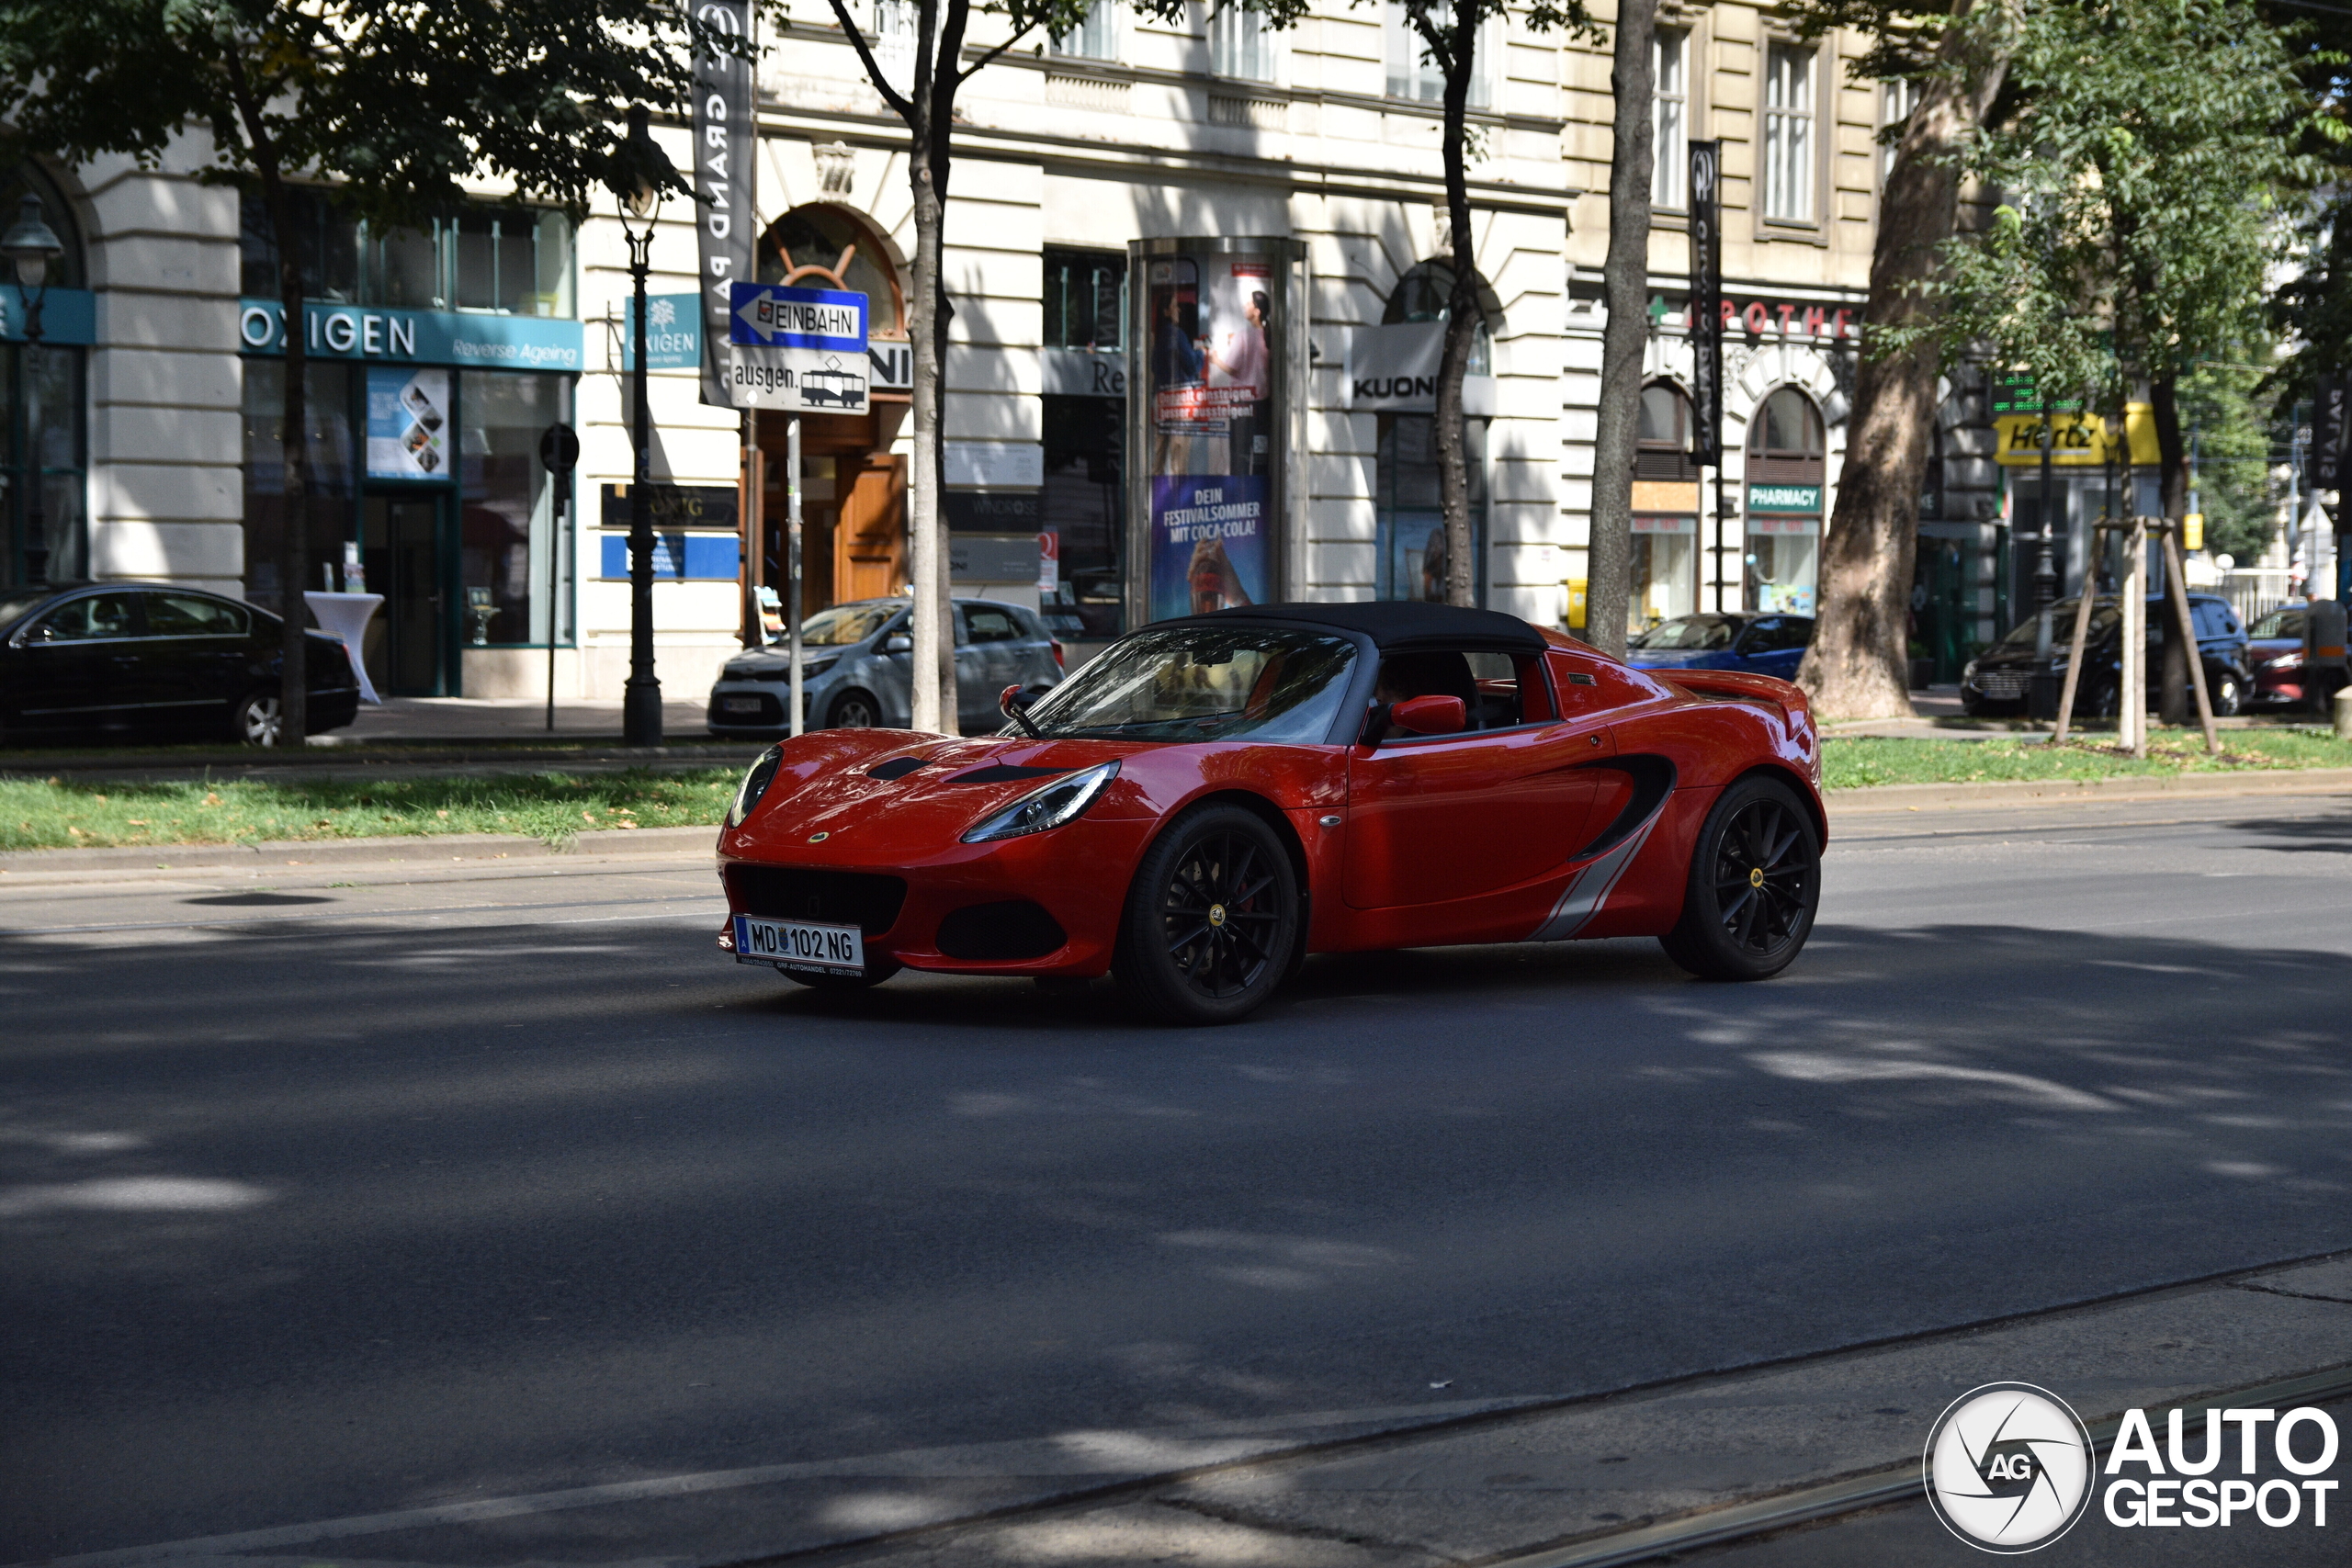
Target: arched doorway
point(1409, 514)
point(853, 491)
point(1787, 465)
point(42, 438)
point(1666, 510)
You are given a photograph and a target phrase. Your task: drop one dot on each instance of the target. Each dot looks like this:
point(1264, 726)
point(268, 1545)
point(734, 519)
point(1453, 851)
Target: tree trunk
point(934, 655)
point(294, 438)
point(2172, 482)
point(1625, 288)
point(1461, 318)
point(1857, 665)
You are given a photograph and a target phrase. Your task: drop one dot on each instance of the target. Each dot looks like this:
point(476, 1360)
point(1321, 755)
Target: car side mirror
point(1431, 715)
point(898, 642)
point(1011, 697)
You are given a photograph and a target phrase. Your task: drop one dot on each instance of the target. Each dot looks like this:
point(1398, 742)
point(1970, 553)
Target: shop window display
point(1411, 517)
point(1786, 467)
point(327, 413)
point(507, 515)
point(1084, 511)
point(42, 434)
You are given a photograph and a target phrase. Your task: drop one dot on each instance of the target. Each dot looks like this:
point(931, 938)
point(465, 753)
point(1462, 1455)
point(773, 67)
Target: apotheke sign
point(428, 337)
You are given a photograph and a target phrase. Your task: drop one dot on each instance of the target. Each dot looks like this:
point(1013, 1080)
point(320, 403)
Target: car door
point(1439, 819)
point(1774, 645)
point(81, 661)
point(195, 655)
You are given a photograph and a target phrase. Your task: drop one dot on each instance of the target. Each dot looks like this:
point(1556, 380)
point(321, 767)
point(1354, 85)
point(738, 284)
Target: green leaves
point(2142, 173)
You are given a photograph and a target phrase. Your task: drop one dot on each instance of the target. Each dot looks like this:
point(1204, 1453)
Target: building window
point(1085, 510)
point(1786, 474)
point(1412, 75)
point(1408, 515)
point(1671, 117)
point(1086, 294)
point(43, 442)
point(327, 504)
point(892, 40)
point(1096, 37)
point(1788, 133)
point(512, 261)
point(1896, 100)
point(1241, 46)
point(1424, 294)
point(1662, 438)
point(506, 519)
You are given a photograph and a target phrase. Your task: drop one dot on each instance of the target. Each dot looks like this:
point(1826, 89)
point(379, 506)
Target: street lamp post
point(648, 171)
point(31, 244)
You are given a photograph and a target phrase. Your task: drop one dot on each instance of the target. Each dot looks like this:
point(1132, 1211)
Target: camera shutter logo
point(2009, 1468)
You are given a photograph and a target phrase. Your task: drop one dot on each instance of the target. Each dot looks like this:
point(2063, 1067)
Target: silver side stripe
point(1590, 888)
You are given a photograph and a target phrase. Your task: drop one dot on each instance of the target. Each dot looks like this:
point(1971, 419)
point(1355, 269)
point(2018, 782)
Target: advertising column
point(1219, 356)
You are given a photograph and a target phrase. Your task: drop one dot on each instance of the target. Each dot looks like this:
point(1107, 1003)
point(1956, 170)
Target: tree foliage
point(395, 101)
point(2142, 178)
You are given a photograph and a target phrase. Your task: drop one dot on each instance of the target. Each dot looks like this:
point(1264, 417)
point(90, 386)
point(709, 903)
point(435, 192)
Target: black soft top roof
point(1393, 625)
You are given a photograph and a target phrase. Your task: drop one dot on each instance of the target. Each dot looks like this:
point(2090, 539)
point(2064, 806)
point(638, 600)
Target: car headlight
point(755, 784)
point(1968, 671)
point(2284, 661)
point(1061, 801)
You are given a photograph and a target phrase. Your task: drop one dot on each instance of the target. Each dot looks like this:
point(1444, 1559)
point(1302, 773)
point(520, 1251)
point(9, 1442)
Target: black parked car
point(2000, 679)
point(124, 659)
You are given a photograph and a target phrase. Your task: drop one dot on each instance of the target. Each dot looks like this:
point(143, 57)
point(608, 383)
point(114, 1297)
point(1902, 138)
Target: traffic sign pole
point(792, 553)
point(559, 454)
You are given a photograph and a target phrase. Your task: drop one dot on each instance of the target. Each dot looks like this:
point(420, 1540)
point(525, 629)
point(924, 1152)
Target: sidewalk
point(403, 720)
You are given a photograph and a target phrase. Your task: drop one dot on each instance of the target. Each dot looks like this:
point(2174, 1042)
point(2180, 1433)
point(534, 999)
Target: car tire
point(254, 719)
point(2227, 694)
point(876, 973)
point(1754, 885)
point(853, 709)
point(1212, 921)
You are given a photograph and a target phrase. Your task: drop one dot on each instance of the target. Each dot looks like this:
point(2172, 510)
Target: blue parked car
point(1761, 645)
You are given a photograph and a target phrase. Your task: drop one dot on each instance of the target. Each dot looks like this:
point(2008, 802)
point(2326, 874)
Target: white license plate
point(800, 944)
point(739, 704)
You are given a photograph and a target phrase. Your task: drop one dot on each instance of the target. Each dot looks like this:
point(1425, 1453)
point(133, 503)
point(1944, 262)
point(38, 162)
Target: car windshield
point(1205, 683)
point(2278, 623)
point(2061, 625)
point(1690, 633)
point(846, 624)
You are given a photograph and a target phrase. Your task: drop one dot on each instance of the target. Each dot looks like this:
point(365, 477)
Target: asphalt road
point(382, 1192)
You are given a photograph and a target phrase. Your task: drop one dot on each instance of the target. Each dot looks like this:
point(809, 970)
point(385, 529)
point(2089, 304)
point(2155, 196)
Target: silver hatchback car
point(854, 664)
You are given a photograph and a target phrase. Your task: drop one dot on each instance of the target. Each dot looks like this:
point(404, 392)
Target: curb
point(2045, 792)
point(443, 847)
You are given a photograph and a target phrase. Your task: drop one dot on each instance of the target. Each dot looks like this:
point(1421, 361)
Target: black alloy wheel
point(1212, 921)
point(1754, 885)
point(854, 709)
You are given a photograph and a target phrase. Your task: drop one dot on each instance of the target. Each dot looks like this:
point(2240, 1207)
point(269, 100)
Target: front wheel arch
point(1275, 817)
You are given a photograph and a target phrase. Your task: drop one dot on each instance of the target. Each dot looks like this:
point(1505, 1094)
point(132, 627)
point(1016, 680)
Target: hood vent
point(1003, 772)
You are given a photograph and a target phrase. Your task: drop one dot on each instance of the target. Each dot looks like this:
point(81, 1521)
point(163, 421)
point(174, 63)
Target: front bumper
point(768, 720)
point(951, 911)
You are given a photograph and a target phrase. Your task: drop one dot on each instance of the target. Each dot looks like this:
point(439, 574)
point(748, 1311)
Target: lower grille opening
point(757, 710)
point(1015, 929)
point(860, 898)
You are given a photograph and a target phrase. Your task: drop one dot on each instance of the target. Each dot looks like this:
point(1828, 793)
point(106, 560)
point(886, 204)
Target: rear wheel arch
point(1782, 774)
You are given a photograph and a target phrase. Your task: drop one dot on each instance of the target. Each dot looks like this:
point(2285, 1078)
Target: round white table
point(345, 617)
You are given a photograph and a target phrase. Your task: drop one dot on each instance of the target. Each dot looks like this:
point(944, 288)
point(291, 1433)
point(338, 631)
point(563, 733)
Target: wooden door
point(869, 542)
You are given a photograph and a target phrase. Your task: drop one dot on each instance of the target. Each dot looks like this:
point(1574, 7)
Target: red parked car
point(1212, 799)
point(2275, 651)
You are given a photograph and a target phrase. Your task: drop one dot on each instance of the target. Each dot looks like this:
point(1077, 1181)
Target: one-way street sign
point(800, 349)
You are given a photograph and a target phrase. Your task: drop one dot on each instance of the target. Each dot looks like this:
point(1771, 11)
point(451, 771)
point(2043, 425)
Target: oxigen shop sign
point(426, 337)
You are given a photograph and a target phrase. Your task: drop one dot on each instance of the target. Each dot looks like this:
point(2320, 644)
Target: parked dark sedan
point(1761, 645)
point(2000, 680)
point(125, 659)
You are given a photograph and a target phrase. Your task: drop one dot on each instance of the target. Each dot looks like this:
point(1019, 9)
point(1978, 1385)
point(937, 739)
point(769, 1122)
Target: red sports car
point(1212, 799)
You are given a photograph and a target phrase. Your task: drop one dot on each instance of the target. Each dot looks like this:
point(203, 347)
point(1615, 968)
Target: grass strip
point(59, 813)
point(1863, 761)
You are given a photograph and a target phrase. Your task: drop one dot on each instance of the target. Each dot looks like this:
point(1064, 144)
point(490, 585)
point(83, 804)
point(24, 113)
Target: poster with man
point(1212, 432)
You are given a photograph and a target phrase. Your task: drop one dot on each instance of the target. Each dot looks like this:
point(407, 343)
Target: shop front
point(425, 485)
point(44, 442)
point(1787, 479)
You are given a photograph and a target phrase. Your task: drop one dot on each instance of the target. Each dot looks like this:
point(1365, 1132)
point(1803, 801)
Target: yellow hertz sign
point(2076, 440)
